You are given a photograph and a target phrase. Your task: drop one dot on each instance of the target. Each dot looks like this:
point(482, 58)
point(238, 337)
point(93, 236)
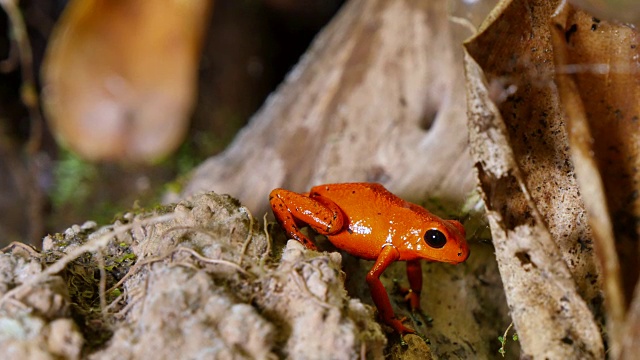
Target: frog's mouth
point(463, 255)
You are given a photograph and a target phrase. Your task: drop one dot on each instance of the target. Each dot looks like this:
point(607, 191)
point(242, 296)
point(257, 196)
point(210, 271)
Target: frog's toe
point(413, 299)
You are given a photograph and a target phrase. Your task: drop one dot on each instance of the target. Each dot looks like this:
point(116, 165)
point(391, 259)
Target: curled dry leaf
point(119, 76)
point(621, 10)
point(538, 220)
point(598, 82)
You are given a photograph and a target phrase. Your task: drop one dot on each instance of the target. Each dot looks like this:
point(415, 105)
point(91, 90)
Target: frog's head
point(444, 241)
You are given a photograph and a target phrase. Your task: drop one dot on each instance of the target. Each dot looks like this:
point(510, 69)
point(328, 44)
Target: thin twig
point(184, 263)
point(249, 235)
point(115, 301)
point(266, 253)
point(214, 261)
point(103, 283)
point(134, 269)
point(91, 246)
point(30, 249)
point(302, 285)
point(134, 300)
point(192, 252)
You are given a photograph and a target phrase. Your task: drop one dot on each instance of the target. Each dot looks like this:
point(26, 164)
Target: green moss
point(73, 178)
point(115, 293)
point(128, 256)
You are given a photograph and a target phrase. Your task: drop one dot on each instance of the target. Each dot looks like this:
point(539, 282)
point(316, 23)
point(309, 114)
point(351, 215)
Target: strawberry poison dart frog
point(369, 222)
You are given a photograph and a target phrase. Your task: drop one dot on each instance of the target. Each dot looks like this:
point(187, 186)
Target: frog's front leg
point(387, 256)
point(414, 274)
point(291, 208)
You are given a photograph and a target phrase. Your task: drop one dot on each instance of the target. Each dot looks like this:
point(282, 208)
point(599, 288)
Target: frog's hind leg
point(321, 214)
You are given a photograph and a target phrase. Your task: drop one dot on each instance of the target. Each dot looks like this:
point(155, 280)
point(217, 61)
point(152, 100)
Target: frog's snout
point(464, 253)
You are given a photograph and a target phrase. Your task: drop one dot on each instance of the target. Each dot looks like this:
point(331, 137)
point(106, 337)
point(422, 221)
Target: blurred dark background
point(249, 47)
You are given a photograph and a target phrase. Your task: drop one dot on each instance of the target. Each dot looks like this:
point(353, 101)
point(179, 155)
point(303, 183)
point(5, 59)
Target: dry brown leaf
point(119, 76)
point(597, 65)
point(538, 222)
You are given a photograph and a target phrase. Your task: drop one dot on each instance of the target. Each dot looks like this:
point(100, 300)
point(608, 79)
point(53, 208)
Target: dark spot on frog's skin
point(326, 188)
point(353, 191)
point(572, 30)
point(380, 214)
point(349, 230)
point(618, 114)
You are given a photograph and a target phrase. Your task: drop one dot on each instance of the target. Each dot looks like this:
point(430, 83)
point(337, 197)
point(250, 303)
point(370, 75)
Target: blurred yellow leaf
point(621, 10)
point(120, 76)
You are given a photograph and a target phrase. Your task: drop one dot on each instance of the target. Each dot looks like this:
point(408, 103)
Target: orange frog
point(369, 222)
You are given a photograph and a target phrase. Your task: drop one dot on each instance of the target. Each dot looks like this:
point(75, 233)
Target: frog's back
point(358, 196)
point(370, 213)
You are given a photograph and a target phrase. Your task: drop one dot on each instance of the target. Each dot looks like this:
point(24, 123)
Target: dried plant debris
point(552, 97)
point(189, 280)
point(36, 323)
point(202, 279)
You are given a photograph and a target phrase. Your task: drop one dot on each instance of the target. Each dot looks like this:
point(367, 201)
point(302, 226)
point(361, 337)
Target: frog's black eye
point(435, 238)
